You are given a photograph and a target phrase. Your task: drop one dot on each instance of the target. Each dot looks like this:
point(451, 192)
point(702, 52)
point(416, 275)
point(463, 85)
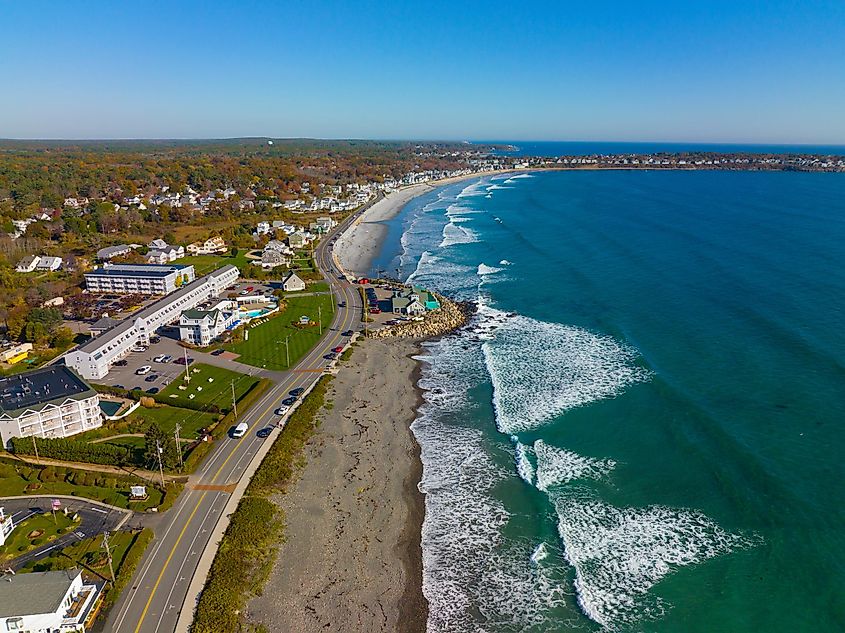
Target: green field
point(217, 393)
point(51, 528)
point(204, 264)
point(167, 417)
point(265, 346)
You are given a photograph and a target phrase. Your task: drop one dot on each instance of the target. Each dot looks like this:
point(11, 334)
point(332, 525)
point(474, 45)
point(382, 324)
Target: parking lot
point(125, 376)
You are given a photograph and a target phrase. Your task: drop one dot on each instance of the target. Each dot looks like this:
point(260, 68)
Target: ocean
point(642, 427)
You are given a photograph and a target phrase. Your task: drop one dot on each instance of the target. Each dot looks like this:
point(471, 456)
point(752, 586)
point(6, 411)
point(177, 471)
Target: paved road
point(94, 520)
point(151, 604)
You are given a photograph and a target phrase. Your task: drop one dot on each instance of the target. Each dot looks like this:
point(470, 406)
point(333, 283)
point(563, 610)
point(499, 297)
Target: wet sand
point(351, 560)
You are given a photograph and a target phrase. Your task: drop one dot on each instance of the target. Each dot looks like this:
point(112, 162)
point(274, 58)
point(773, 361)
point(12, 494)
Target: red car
point(250, 288)
point(338, 349)
point(375, 311)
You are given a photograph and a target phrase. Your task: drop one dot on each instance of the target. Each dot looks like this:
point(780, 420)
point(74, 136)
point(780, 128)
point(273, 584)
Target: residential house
point(165, 254)
point(277, 245)
point(110, 252)
point(28, 264)
point(201, 327)
point(292, 283)
point(407, 304)
point(6, 526)
point(297, 240)
point(211, 246)
point(262, 228)
point(271, 258)
point(48, 263)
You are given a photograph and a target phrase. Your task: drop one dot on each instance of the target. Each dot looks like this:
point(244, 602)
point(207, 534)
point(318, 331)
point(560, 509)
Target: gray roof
point(136, 270)
point(96, 343)
point(111, 251)
point(35, 593)
point(103, 324)
point(35, 389)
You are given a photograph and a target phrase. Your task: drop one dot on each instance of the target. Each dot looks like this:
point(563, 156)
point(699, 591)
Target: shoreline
point(352, 557)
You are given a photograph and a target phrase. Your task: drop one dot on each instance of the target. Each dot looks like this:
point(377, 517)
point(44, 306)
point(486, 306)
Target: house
point(210, 246)
point(157, 244)
point(276, 245)
point(427, 298)
point(292, 283)
point(6, 526)
point(200, 327)
point(409, 305)
point(165, 254)
point(271, 258)
point(262, 228)
point(48, 263)
point(110, 252)
point(28, 264)
point(297, 240)
point(326, 223)
point(55, 601)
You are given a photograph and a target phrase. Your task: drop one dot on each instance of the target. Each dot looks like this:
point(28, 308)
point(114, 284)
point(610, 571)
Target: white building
point(209, 247)
point(110, 252)
point(93, 359)
point(200, 327)
point(48, 602)
point(48, 402)
point(28, 264)
point(165, 254)
point(6, 526)
point(148, 279)
point(292, 283)
point(46, 262)
point(262, 228)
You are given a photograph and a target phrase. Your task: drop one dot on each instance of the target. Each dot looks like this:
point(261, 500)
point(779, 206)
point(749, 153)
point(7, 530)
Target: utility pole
point(320, 318)
point(234, 403)
point(35, 446)
point(160, 467)
point(108, 554)
point(287, 352)
point(187, 367)
point(178, 446)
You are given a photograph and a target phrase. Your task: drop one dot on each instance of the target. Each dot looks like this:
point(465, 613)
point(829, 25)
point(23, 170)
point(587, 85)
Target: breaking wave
point(557, 466)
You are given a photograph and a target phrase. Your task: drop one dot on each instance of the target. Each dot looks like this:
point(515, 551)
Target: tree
point(62, 338)
point(154, 439)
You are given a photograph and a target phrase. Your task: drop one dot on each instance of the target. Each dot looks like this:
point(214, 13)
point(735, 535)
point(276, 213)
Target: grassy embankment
point(249, 546)
point(34, 532)
point(265, 345)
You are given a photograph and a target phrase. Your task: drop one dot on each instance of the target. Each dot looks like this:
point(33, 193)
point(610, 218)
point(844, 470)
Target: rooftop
point(136, 270)
point(38, 387)
point(35, 593)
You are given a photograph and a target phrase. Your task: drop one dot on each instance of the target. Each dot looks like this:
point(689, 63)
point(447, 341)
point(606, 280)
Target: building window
point(14, 624)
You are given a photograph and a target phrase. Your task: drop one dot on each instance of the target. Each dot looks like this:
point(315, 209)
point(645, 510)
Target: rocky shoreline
point(450, 316)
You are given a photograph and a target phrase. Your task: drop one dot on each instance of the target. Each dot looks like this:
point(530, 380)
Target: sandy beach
point(351, 560)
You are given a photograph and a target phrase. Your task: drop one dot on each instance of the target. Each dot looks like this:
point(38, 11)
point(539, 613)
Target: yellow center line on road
point(202, 497)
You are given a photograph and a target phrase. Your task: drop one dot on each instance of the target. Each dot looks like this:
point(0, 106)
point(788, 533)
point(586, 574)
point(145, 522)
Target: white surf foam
point(619, 554)
point(505, 262)
point(524, 467)
point(497, 187)
point(539, 553)
point(556, 466)
point(540, 370)
point(454, 234)
point(484, 269)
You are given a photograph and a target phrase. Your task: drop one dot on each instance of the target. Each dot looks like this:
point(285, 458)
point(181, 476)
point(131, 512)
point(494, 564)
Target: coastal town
point(148, 334)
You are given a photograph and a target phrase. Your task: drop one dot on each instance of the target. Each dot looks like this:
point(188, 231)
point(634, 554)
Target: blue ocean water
point(583, 148)
point(642, 428)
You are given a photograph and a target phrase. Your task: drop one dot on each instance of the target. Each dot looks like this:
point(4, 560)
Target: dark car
point(181, 361)
point(151, 378)
point(289, 401)
point(121, 363)
point(152, 390)
point(155, 339)
point(217, 352)
point(265, 432)
point(119, 387)
point(346, 333)
point(342, 304)
point(297, 392)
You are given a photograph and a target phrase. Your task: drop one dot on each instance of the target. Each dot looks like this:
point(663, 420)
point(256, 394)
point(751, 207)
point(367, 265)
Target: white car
point(163, 358)
point(138, 348)
point(146, 369)
point(240, 430)
point(282, 409)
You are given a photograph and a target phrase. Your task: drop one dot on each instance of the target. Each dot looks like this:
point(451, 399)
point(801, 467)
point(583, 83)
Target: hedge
point(71, 450)
point(127, 566)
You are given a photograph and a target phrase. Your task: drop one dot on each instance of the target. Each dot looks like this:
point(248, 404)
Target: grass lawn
point(167, 417)
point(204, 264)
point(19, 541)
point(266, 344)
point(318, 286)
point(218, 392)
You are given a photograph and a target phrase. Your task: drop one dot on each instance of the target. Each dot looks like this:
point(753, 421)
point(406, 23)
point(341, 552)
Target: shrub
point(73, 450)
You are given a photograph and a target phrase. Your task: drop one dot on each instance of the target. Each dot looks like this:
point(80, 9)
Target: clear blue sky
point(743, 71)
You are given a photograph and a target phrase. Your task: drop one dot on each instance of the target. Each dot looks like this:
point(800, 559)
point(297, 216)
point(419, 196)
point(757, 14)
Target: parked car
point(181, 361)
point(151, 378)
point(265, 432)
point(217, 352)
point(119, 387)
point(138, 348)
point(121, 363)
point(282, 409)
point(161, 358)
point(146, 369)
point(375, 311)
point(297, 392)
point(250, 288)
point(152, 390)
point(289, 401)
point(155, 339)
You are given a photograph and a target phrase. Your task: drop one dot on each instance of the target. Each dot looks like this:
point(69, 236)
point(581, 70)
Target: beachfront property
point(292, 283)
point(201, 326)
point(110, 252)
point(211, 246)
point(147, 279)
point(413, 301)
point(93, 359)
point(271, 259)
point(49, 402)
point(38, 262)
point(49, 601)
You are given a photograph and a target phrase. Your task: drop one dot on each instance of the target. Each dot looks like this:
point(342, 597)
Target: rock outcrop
point(447, 318)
